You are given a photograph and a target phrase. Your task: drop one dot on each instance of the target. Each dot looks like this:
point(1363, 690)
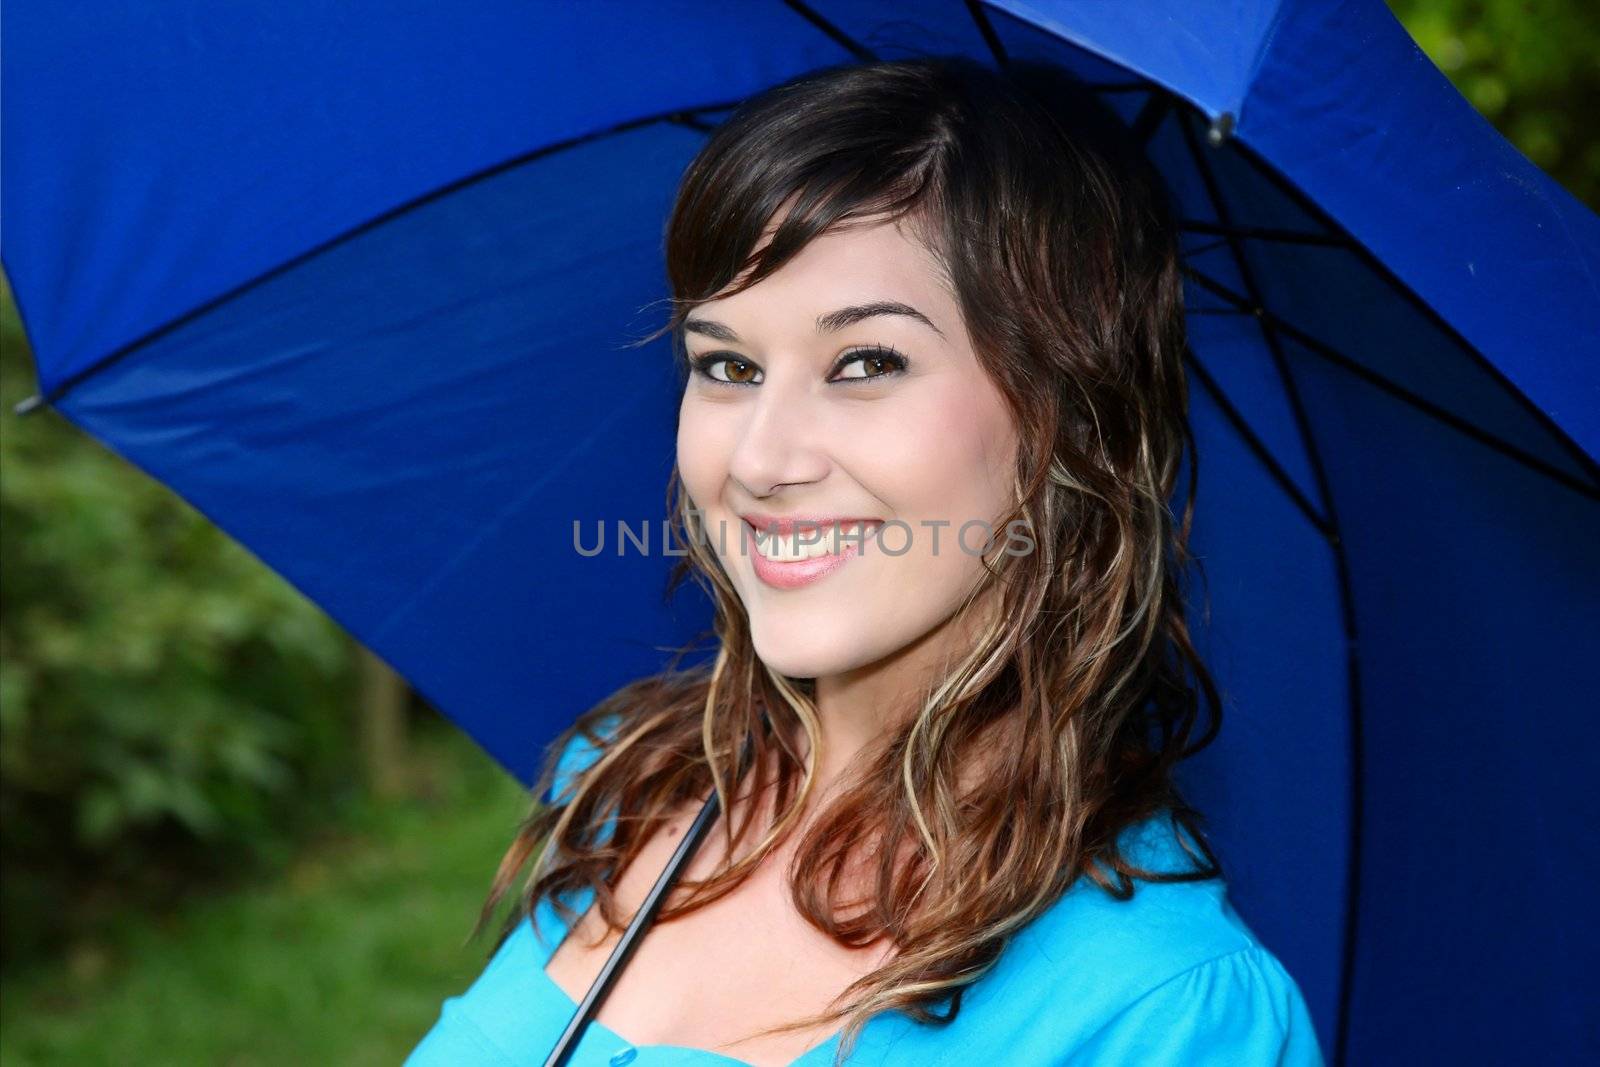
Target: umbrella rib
point(1209, 246)
point(1399, 392)
point(1119, 87)
point(1268, 233)
point(1258, 446)
point(1381, 269)
point(53, 395)
point(990, 37)
point(838, 36)
point(1150, 115)
point(692, 121)
point(1268, 331)
point(1269, 334)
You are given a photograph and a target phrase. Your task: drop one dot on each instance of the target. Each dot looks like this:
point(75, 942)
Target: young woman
point(930, 314)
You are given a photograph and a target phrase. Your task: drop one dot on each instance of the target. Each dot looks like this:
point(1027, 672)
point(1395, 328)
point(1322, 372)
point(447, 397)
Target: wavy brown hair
point(1057, 239)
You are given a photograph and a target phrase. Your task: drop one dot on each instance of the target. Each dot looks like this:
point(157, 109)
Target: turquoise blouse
point(1170, 977)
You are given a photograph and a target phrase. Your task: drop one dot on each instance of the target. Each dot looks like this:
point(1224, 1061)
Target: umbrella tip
point(1221, 129)
point(32, 403)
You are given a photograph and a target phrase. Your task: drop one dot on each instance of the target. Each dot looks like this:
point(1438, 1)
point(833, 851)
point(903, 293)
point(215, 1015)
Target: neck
point(860, 707)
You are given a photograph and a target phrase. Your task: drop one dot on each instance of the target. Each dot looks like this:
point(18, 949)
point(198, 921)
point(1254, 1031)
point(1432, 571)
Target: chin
point(806, 657)
point(810, 653)
point(792, 663)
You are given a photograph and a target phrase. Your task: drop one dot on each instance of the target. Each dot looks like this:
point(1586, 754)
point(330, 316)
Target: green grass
point(344, 959)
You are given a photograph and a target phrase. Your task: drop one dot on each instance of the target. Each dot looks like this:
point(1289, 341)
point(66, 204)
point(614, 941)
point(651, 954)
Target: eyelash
point(703, 363)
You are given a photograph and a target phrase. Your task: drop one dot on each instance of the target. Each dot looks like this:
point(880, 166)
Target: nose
point(781, 443)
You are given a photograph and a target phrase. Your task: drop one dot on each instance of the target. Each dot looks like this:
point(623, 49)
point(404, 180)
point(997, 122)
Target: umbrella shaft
point(623, 951)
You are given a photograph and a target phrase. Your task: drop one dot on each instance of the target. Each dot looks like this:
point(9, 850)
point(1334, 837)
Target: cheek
point(702, 453)
point(952, 460)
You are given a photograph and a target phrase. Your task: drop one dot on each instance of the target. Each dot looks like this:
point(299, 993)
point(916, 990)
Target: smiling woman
point(918, 304)
point(848, 409)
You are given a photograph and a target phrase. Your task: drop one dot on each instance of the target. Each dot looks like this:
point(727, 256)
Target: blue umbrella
point(359, 282)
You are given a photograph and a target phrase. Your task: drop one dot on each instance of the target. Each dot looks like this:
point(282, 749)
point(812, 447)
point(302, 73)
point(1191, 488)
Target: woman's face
point(796, 411)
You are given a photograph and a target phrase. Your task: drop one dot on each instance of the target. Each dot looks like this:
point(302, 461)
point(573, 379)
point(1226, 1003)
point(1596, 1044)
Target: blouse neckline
point(555, 933)
point(1147, 843)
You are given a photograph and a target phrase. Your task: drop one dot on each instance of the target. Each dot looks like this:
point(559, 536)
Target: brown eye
point(873, 363)
point(740, 371)
point(736, 372)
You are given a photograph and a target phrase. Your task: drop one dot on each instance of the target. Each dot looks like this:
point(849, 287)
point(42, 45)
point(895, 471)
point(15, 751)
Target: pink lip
point(804, 572)
point(782, 575)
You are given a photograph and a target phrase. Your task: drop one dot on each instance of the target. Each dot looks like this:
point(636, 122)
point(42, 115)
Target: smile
point(810, 542)
point(807, 554)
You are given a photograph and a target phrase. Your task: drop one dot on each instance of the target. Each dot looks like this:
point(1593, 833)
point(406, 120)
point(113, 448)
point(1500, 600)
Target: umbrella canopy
point(357, 281)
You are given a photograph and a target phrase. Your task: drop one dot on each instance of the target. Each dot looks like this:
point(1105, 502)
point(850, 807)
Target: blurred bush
point(1531, 67)
point(171, 709)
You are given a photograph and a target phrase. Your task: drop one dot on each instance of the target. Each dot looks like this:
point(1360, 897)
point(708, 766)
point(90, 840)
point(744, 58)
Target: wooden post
point(384, 696)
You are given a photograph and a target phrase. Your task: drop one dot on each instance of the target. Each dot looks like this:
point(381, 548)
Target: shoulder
point(1240, 1008)
point(1162, 929)
point(1172, 975)
point(501, 1015)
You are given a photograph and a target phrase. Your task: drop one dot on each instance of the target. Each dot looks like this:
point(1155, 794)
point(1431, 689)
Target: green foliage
point(169, 705)
point(1531, 67)
point(343, 959)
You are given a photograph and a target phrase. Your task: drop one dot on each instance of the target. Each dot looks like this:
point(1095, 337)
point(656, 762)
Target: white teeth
point(810, 542)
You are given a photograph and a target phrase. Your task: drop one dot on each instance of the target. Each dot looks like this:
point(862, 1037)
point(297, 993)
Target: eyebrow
point(832, 322)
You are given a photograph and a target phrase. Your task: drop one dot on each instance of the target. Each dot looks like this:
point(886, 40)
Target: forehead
point(874, 260)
